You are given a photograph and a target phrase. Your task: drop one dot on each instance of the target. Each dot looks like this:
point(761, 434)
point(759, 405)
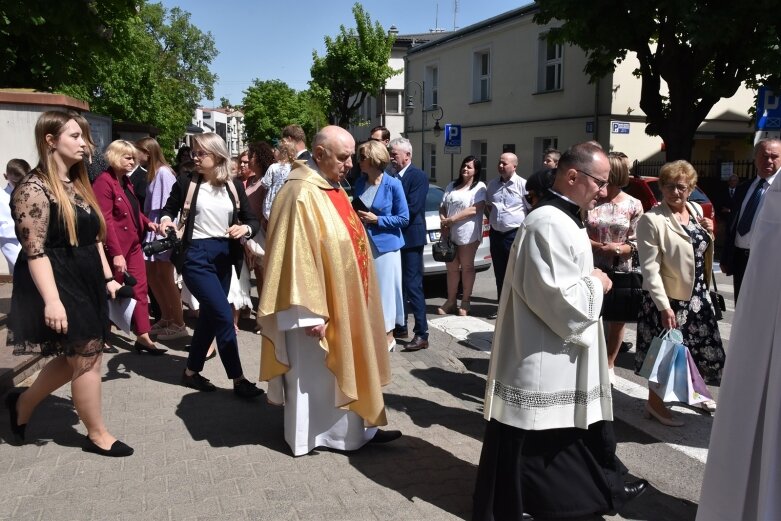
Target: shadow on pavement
point(425, 413)
point(464, 386)
point(420, 471)
point(224, 420)
point(54, 420)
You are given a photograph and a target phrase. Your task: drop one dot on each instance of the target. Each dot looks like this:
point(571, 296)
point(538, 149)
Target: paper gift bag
point(662, 347)
point(698, 391)
point(673, 376)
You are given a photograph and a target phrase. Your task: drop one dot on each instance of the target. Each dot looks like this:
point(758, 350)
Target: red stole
point(357, 234)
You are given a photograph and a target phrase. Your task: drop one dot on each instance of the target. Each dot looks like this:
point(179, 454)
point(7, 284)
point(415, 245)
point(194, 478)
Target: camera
point(161, 245)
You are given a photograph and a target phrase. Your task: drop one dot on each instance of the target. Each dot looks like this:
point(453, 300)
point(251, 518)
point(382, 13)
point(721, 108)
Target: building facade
point(511, 89)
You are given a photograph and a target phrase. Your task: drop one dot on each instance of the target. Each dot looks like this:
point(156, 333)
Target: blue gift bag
point(661, 349)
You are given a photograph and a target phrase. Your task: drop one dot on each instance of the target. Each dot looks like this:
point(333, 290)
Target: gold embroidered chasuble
point(318, 258)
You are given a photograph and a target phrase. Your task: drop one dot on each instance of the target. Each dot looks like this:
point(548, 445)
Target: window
point(432, 85)
point(393, 102)
point(482, 76)
point(480, 151)
point(508, 147)
point(431, 153)
point(541, 144)
point(550, 60)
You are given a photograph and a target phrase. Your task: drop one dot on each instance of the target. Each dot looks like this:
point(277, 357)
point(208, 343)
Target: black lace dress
point(78, 274)
point(695, 317)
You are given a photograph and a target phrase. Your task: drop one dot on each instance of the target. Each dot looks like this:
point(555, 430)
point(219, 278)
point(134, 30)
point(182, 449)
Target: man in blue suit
point(745, 208)
point(415, 184)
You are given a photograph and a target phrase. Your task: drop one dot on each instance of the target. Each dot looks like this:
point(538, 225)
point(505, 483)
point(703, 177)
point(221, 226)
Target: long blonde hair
point(151, 148)
point(53, 122)
point(215, 145)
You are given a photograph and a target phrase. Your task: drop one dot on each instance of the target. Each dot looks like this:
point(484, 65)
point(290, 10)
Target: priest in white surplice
point(549, 447)
point(324, 350)
point(743, 476)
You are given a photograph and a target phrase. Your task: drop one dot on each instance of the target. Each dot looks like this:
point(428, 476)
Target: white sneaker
point(173, 332)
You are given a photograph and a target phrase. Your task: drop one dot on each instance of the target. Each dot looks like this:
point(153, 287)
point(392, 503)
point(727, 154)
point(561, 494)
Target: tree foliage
point(703, 50)
point(154, 69)
point(354, 66)
point(43, 42)
point(271, 105)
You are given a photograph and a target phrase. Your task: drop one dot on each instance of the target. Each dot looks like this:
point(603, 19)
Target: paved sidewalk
point(203, 456)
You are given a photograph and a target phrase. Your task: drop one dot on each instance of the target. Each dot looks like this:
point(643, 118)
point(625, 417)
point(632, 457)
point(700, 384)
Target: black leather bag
point(443, 250)
point(623, 302)
point(717, 299)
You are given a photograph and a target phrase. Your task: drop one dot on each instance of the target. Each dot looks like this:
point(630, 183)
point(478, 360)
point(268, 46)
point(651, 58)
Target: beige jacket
point(667, 256)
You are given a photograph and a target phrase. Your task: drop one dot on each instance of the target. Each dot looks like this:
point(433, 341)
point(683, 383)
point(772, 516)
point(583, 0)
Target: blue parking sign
point(768, 110)
point(452, 135)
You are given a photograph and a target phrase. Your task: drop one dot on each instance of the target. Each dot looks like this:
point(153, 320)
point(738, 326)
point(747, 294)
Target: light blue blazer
point(390, 207)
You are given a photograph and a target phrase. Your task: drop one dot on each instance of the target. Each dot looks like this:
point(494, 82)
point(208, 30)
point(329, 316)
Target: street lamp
point(436, 109)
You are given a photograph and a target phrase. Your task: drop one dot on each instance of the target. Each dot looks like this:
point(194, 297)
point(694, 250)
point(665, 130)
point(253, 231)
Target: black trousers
point(739, 262)
point(555, 473)
point(501, 242)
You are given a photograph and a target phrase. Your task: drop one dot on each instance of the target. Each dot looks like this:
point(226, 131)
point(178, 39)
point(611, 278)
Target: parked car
point(432, 267)
point(649, 192)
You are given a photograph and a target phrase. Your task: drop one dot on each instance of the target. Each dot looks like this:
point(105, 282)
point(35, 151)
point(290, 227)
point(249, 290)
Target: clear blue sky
point(274, 39)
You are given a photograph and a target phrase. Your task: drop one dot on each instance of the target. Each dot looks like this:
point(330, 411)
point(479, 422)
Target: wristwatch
point(618, 251)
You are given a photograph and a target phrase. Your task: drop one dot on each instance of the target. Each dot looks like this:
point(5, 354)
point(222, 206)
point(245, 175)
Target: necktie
point(744, 225)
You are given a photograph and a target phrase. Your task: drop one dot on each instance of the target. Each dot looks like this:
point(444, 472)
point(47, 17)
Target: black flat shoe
point(156, 351)
point(625, 347)
point(117, 450)
point(13, 415)
point(385, 436)
point(246, 389)
point(209, 357)
point(635, 489)
point(197, 382)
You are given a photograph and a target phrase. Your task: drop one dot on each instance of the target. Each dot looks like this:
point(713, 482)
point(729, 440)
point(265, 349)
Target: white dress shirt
point(507, 200)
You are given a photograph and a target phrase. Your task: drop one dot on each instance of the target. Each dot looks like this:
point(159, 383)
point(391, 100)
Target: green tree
point(355, 65)
point(158, 78)
point(702, 50)
point(271, 105)
point(44, 44)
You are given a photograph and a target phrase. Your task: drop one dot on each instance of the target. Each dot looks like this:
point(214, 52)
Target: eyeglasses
point(601, 183)
point(200, 154)
point(672, 187)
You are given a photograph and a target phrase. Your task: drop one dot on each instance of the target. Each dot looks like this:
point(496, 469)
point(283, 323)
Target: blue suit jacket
point(415, 183)
point(728, 250)
point(390, 206)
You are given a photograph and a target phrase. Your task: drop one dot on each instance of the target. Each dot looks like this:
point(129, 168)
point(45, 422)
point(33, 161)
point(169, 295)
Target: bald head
point(332, 151)
point(508, 163)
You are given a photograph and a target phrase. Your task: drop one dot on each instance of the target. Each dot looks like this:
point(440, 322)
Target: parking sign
point(452, 139)
point(768, 110)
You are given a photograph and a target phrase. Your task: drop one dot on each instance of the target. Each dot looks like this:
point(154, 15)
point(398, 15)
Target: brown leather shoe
point(416, 344)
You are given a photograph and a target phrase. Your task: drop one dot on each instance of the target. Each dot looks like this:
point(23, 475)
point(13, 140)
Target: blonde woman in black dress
point(61, 282)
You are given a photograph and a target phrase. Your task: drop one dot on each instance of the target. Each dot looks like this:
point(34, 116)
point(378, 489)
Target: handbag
point(717, 299)
point(443, 250)
point(623, 302)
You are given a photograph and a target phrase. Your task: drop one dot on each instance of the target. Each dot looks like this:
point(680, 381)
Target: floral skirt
point(699, 327)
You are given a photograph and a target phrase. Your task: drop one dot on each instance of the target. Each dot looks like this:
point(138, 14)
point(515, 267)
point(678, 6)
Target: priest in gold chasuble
point(324, 351)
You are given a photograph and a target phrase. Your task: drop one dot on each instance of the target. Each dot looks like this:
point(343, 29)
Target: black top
point(569, 208)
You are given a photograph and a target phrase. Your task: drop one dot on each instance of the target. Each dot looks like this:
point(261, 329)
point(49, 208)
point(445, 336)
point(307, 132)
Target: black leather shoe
point(117, 450)
point(634, 489)
point(246, 389)
point(13, 416)
point(492, 316)
point(527, 517)
point(416, 344)
point(625, 347)
point(152, 350)
point(382, 436)
point(197, 382)
point(401, 333)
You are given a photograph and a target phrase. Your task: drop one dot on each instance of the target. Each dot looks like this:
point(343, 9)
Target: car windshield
point(434, 198)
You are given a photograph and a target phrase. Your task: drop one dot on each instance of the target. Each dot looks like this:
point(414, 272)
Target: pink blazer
point(124, 227)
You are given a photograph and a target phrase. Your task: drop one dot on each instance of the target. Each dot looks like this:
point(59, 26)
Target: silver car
point(432, 267)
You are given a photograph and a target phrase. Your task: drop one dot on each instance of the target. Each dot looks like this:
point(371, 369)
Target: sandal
point(464, 309)
point(448, 308)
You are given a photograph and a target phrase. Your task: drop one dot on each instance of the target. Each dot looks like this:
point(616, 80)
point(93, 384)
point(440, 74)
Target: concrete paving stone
point(273, 512)
point(58, 506)
point(140, 489)
point(157, 514)
point(157, 467)
point(165, 498)
point(207, 506)
point(244, 502)
point(7, 507)
point(227, 488)
point(237, 515)
point(198, 471)
point(293, 494)
point(112, 509)
point(30, 516)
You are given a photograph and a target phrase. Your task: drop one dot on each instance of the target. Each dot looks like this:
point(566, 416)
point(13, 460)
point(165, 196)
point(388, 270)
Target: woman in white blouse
point(461, 216)
point(217, 220)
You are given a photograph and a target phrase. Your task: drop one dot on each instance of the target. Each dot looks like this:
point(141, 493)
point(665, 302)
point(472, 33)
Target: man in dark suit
point(296, 135)
point(415, 183)
point(745, 208)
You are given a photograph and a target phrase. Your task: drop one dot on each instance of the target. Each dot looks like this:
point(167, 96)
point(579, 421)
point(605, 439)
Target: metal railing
point(705, 169)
